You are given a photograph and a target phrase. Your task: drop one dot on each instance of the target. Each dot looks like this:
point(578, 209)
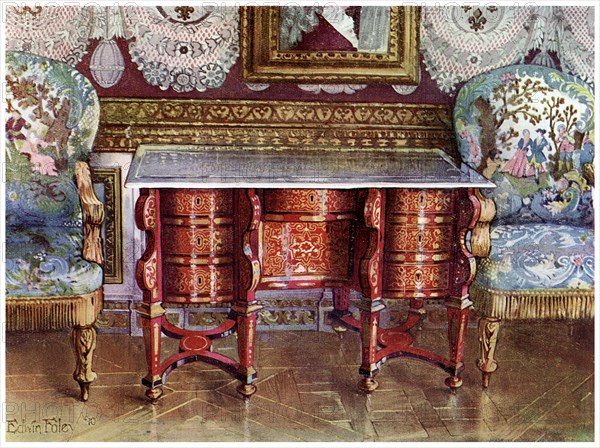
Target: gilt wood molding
point(110, 178)
point(126, 123)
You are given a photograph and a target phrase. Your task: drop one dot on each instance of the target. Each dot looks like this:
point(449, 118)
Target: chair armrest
point(588, 173)
point(93, 214)
point(481, 244)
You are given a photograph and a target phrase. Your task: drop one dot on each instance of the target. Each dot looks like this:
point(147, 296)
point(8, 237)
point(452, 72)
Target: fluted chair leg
point(489, 327)
point(83, 342)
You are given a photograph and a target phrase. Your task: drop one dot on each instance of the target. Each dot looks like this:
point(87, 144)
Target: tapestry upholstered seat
point(53, 247)
point(530, 130)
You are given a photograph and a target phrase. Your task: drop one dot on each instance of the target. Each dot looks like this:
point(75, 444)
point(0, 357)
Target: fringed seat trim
point(52, 313)
point(534, 304)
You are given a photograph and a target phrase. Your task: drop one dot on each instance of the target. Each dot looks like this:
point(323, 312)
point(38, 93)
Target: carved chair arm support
point(93, 214)
point(588, 173)
point(480, 237)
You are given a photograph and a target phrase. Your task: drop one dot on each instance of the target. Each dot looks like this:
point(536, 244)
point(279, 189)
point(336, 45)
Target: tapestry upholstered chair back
point(530, 130)
point(53, 247)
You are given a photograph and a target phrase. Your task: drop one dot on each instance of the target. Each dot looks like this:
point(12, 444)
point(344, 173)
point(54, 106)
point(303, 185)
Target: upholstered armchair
point(53, 246)
point(530, 130)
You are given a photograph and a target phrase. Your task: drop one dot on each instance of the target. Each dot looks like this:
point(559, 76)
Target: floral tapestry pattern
point(52, 114)
point(46, 261)
point(538, 257)
point(49, 127)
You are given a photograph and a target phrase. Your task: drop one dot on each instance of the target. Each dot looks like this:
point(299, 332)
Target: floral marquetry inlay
point(306, 249)
point(306, 246)
point(420, 242)
point(198, 240)
point(310, 200)
point(408, 279)
point(197, 202)
point(410, 239)
point(146, 272)
point(198, 280)
point(146, 212)
point(440, 201)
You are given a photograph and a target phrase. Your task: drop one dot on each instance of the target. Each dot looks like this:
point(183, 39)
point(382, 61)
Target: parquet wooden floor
point(543, 391)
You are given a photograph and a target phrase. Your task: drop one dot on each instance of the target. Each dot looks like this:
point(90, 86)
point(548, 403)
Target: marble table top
point(173, 166)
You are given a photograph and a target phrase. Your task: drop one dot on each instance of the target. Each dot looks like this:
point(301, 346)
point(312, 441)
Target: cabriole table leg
point(247, 273)
point(458, 315)
point(371, 278)
point(369, 316)
point(459, 304)
point(149, 279)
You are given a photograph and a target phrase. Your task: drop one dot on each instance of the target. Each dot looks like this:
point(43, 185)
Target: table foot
point(485, 379)
point(247, 390)
point(339, 329)
point(367, 384)
point(453, 382)
point(154, 394)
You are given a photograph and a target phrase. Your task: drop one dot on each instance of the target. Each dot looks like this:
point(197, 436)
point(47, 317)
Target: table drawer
point(419, 243)
point(197, 245)
point(197, 240)
point(415, 238)
point(306, 249)
point(416, 201)
point(197, 283)
point(418, 280)
point(310, 201)
point(196, 202)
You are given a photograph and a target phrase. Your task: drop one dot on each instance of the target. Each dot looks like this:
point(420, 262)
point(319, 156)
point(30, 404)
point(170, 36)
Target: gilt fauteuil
point(530, 130)
point(53, 245)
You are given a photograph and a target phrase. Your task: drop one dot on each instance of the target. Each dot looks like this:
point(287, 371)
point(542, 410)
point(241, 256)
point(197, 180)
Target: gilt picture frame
point(107, 185)
point(266, 60)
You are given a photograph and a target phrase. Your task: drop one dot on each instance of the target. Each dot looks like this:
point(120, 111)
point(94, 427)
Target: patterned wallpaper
point(193, 52)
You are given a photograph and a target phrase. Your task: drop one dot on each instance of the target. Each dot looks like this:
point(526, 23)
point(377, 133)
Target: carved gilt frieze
point(127, 123)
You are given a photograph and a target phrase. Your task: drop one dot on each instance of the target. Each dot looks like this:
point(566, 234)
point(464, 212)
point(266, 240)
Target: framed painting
point(107, 185)
point(330, 44)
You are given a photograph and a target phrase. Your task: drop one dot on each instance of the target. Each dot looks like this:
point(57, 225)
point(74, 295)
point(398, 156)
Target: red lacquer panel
point(311, 248)
point(198, 240)
point(420, 234)
point(310, 201)
point(189, 202)
point(306, 236)
point(197, 245)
